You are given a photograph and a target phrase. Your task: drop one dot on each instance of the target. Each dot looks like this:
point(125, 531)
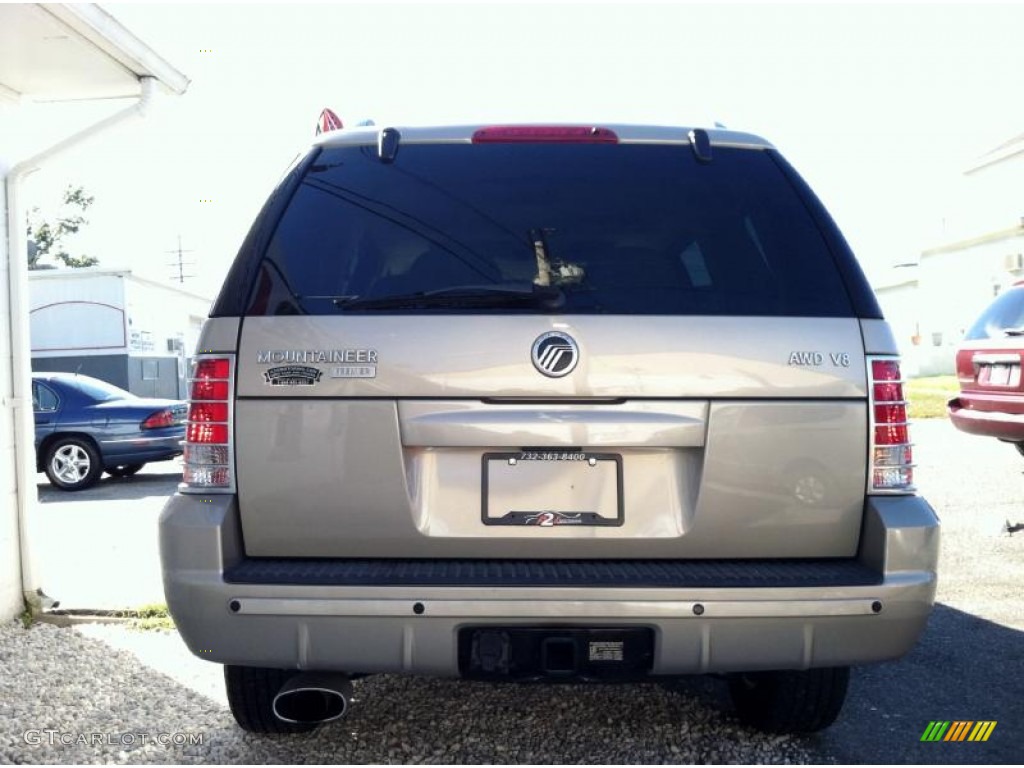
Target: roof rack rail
point(701, 144)
point(387, 144)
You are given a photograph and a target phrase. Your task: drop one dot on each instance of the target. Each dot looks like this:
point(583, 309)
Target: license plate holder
point(1002, 374)
point(548, 488)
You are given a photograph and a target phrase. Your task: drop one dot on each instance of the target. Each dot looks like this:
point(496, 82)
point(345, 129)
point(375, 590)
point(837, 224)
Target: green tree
point(46, 238)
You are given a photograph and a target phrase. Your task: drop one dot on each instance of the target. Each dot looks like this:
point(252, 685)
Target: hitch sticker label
point(606, 651)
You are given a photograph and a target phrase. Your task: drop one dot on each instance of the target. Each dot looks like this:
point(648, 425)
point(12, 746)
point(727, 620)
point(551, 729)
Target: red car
point(988, 364)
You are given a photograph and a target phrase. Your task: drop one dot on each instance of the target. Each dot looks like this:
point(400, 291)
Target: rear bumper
point(993, 416)
point(156, 447)
point(411, 627)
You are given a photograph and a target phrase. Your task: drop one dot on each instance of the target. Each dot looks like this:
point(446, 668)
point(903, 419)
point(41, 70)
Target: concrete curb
point(66, 620)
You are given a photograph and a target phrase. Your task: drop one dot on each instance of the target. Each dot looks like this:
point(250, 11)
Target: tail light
point(209, 451)
point(159, 419)
point(558, 134)
point(892, 467)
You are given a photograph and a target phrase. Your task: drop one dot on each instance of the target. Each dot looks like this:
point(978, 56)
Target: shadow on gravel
point(964, 668)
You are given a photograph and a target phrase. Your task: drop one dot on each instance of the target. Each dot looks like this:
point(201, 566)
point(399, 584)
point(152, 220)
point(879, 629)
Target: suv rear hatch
point(391, 392)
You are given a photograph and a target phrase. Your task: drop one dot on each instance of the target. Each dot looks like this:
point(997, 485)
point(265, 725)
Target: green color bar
point(935, 731)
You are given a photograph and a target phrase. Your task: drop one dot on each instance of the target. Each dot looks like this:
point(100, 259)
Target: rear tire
point(790, 701)
point(72, 463)
point(251, 692)
point(124, 470)
point(1020, 448)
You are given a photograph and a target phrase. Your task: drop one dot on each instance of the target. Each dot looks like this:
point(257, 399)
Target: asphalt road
point(969, 664)
point(98, 548)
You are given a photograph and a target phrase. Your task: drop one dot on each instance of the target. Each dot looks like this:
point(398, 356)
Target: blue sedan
point(85, 426)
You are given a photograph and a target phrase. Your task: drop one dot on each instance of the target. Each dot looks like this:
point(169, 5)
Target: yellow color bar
point(982, 730)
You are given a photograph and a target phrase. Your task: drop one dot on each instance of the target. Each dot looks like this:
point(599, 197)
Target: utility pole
point(180, 263)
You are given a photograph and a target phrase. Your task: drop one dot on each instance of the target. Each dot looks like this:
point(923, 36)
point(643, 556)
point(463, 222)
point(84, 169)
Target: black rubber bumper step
point(692, 574)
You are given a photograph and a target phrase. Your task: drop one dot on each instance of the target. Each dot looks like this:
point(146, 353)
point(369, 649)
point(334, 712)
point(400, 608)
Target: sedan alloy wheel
point(72, 464)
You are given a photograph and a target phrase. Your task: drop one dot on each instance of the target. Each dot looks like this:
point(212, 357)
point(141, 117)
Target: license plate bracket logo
point(546, 488)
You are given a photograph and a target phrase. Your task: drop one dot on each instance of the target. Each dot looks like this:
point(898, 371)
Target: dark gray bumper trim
point(691, 574)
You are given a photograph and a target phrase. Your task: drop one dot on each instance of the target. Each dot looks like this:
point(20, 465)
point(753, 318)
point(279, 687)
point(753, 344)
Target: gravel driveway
point(91, 687)
point(126, 689)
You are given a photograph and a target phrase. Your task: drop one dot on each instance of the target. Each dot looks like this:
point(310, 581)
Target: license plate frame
point(1002, 374)
point(609, 465)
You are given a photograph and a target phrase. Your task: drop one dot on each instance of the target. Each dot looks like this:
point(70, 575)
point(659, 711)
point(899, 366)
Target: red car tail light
point(208, 368)
point(159, 419)
point(210, 390)
point(209, 452)
point(206, 434)
point(891, 455)
point(208, 412)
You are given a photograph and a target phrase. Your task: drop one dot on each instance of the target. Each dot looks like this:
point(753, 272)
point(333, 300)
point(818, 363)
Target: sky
point(880, 107)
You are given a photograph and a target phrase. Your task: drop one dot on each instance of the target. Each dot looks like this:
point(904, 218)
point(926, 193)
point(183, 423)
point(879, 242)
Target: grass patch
point(149, 616)
point(928, 396)
point(153, 624)
point(150, 611)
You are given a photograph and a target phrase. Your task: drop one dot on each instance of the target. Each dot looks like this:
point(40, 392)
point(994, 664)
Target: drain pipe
point(21, 404)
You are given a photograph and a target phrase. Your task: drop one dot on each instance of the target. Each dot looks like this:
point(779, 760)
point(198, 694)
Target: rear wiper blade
point(1013, 331)
point(460, 296)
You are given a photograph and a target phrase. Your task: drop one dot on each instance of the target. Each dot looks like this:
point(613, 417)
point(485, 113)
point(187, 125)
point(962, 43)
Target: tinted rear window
point(97, 390)
point(625, 229)
point(1003, 314)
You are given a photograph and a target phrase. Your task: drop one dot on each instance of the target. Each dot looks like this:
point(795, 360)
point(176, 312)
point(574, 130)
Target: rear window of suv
point(614, 229)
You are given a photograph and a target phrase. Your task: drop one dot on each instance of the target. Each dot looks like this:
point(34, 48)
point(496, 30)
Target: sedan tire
point(124, 470)
point(73, 464)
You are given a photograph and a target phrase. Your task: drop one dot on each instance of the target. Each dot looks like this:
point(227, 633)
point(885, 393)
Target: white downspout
point(24, 435)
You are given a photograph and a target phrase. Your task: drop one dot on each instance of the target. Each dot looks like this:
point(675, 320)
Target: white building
point(899, 301)
point(981, 253)
point(132, 332)
point(52, 52)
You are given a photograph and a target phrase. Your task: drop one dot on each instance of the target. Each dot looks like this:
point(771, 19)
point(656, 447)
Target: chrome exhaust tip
point(313, 697)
